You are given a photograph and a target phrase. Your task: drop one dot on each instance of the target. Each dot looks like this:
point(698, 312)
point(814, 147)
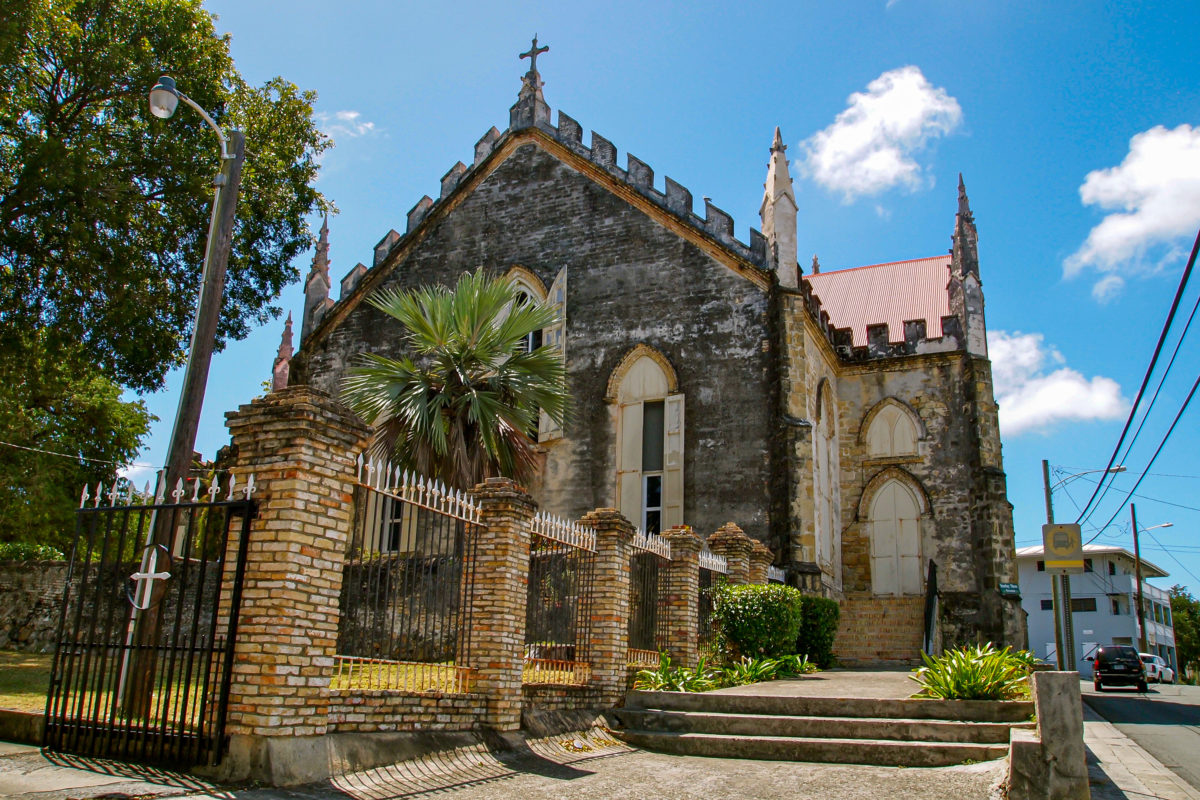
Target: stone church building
point(844, 418)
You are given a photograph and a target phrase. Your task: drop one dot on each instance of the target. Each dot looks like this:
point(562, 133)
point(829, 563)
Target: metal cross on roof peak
point(533, 53)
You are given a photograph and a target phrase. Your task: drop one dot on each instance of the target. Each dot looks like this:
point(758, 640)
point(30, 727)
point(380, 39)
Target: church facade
point(844, 418)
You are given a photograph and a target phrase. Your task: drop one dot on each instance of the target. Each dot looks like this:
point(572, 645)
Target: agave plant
point(460, 405)
point(973, 673)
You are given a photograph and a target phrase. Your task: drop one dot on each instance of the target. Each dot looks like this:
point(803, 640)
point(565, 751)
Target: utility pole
point(1137, 575)
point(1057, 603)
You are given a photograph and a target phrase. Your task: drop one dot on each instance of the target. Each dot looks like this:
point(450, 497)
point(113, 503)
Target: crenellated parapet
point(637, 174)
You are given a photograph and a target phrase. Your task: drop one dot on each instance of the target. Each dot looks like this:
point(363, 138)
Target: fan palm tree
point(460, 405)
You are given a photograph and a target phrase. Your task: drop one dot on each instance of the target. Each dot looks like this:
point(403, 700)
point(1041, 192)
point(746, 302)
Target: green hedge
point(25, 551)
point(818, 626)
point(756, 621)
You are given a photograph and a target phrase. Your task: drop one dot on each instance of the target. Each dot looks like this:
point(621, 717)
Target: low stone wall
point(376, 710)
point(880, 629)
point(540, 698)
point(30, 604)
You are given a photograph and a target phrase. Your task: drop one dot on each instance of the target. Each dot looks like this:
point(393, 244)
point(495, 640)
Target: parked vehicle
point(1117, 665)
point(1157, 669)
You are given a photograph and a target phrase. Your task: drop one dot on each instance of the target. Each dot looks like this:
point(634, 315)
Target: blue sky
point(1075, 124)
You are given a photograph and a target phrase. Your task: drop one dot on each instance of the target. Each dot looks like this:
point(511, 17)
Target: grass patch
point(24, 679)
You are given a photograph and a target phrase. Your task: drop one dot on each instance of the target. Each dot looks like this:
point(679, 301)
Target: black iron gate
point(149, 615)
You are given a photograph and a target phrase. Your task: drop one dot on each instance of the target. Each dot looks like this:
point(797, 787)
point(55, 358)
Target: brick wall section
point(682, 595)
point(300, 444)
point(731, 542)
point(875, 629)
point(497, 604)
point(372, 710)
point(608, 631)
point(561, 698)
point(760, 558)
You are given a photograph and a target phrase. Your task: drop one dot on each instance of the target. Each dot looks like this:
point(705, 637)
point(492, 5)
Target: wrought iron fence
point(776, 575)
point(558, 604)
point(141, 670)
point(931, 610)
point(647, 614)
point(405, 610)
point(712, 567)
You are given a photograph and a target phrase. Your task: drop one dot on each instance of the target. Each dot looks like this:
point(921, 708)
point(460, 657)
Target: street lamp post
point(1137, 575)
point(1064, 631)
point(164, 98)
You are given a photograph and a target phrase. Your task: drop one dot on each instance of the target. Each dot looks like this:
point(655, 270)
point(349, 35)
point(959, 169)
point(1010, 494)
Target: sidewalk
point(1119, 769)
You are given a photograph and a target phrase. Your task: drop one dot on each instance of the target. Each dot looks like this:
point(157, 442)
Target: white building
point(1103, 604)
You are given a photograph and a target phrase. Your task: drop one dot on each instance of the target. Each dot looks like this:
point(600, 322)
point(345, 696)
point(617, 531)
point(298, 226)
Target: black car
point(1117, 665)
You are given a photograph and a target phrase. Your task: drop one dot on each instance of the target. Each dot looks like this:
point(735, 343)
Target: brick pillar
point(731, 542)
point(608, 629)
point(499, 591)
point(760, 558)
point(301, 446)
point(682, 587)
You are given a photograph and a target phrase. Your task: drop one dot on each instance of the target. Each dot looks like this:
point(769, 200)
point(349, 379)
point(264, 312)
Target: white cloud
point(344, 124)
point(1108, 288)
point(1031, 398)
point(1154, 200)
point(871, 144)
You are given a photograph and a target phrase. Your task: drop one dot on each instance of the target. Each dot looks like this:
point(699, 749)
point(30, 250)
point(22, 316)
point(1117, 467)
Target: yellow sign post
point(1063, 545)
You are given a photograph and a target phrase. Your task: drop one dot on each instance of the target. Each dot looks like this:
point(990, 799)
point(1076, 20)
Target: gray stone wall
point(630, 281)
point(30, 604)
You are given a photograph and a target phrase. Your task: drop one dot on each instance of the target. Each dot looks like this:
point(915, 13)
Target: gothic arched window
point(892, 431)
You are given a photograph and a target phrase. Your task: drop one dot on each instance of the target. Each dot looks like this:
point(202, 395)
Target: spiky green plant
point(973, 673)
point(460, 405)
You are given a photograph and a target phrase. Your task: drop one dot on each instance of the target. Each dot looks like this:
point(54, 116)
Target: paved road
point(1165, 721)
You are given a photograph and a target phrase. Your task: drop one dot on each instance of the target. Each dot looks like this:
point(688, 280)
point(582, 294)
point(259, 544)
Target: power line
point(1145, 496)
point(74, 457)
point(1162, 337)
point(1158, 450)
point(1173, 558)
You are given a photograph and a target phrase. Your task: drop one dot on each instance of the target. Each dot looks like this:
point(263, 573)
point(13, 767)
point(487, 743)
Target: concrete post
point(731, 542)
point(760, 558)
point(682, 587)
point(301, 446)
point(608, 629)
point(1051, 763)
point(499, 592)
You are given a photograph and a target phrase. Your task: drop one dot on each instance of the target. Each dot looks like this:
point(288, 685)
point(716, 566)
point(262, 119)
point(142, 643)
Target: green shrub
point(753, 620)
point(666, 678)
point(974, 673)
point(818, 627)
point(26, 551)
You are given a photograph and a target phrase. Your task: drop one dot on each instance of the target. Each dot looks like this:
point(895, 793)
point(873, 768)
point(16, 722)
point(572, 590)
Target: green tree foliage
point(74, 420)
point(104, 209)
point(461, 407)
point(818, 627)
point(104, 214)
point(1185, 613)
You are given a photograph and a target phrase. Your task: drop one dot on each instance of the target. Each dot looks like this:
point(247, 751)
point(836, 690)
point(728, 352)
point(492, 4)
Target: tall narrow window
point(649, 442)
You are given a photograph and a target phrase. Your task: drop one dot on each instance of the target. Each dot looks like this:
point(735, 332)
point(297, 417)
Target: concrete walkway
point(595, 765)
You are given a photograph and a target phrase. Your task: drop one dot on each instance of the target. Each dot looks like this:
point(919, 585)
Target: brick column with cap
point(301, 445)
point(500, 569)
point(682, 595)
point(760, 558)
point(608, 630)
point(730, 541)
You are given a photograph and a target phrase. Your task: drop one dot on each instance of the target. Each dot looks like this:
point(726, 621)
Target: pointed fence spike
point(250, 486)
point(83, 498)
point(99, 493)
point(160, 487)
point(196, 490)
point(214, 488)
point(232, 484)
point(359, 462)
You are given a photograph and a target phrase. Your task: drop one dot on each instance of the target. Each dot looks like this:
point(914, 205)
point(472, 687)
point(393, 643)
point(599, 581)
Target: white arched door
point(895, 540)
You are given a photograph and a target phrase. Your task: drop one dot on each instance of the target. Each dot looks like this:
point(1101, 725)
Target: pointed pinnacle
point(777, 143)
point(964, 205)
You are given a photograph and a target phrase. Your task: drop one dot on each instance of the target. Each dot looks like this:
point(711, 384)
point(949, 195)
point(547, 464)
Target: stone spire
point(530, 108)
point(778, 214)
point(965, 287)
point(279, 373)
point(316, 285)
point(966, 239)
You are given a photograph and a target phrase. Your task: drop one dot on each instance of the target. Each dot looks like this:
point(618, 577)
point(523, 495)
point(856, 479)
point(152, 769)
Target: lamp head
point(1117, 468)
point(164, 97)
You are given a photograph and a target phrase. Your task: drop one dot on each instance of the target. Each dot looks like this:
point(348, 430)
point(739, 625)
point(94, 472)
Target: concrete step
point(878, 752)
point(804, 727)
point(871, 708)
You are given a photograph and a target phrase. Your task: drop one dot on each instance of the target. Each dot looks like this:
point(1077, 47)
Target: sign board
point(1010, 590)
point(1063, 547)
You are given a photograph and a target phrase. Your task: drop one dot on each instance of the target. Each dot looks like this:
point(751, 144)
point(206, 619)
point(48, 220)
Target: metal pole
point(1057, 604)
point(1137, 574)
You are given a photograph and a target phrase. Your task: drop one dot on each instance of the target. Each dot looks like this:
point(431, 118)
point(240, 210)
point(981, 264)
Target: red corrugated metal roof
point(894, 293)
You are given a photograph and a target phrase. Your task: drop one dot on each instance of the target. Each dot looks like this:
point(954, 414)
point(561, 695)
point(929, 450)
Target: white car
point(1157, 670)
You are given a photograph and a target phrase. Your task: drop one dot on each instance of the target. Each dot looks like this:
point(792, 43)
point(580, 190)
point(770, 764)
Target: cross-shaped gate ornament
point(142, 596)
